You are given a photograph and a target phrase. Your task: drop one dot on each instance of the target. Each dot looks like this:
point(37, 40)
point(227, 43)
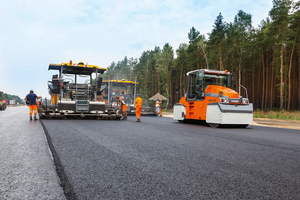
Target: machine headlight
point(224, 100)
point(245, 101)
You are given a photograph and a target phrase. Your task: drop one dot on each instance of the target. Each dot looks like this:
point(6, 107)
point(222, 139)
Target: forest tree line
point(5, 96)
point(266, 60)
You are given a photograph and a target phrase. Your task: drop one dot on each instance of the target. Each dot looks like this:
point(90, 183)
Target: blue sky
point(35, 33)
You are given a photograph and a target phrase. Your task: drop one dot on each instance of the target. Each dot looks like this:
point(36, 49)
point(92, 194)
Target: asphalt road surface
point(26, 165)
point(160, 158)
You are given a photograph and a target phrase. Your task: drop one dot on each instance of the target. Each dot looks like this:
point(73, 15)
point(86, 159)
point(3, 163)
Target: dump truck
point(211, 96)
point(74, 93)
point(2, 102)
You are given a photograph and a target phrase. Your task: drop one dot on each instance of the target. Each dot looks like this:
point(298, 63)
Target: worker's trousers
point(32, 109)
point(138, 111)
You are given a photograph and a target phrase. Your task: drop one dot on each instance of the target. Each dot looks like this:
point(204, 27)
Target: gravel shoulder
point(276, 123)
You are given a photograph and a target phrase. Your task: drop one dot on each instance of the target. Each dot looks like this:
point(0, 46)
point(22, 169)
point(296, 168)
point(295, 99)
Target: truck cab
point(2, 102)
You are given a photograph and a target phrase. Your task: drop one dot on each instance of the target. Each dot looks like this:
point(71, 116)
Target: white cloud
point(35, 33)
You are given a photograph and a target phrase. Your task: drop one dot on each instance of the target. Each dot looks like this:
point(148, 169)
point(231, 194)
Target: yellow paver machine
point(125, 89)
point(74, 93)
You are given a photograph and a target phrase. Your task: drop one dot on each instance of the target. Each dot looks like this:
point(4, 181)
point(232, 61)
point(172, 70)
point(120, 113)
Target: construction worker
point(59, 83)
point(157, 107)
point(160, 114)
point(31, 100)
point(138, 107)
point(123, 107)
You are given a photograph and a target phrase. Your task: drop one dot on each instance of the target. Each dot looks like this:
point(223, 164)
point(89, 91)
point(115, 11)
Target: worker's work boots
point(35, 118)
point(30, 117)
point(138, 120)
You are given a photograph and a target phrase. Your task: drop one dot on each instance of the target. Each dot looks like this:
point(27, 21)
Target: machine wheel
point(213, 125)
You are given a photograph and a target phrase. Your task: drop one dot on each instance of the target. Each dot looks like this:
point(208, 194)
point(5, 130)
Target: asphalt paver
point(27, 170)
point(159, 158)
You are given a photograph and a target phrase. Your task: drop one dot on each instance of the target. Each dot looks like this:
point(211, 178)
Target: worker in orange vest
point(138, 107)
point(158, 108)
point(123, 108)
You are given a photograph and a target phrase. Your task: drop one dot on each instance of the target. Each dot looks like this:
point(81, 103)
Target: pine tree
point(217, 35)
point(166, 63)
point(241, 30)
point(280, 19)
point(193, 49)
point(182, 61)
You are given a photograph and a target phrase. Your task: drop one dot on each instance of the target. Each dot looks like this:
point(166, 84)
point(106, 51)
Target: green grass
point(277, 115)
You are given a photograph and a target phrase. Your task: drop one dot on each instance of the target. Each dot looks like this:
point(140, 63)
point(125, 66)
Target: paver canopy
point(158, 96)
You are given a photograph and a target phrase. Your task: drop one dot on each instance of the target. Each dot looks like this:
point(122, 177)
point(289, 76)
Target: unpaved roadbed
point(289, 124)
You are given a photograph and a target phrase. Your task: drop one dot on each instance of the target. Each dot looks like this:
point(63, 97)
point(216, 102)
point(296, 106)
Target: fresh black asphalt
point(160, 158)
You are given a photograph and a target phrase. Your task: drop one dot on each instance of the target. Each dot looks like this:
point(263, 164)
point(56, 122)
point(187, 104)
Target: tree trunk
point(258, 97)
point(180, 87)
point(267, 81)
point(253, 94)
point(167, 85)
point(201, 60)
point(153, 84)
point(272, 78)
point(263, 79)
point(175, 97)
point(220, 56)
point(281, 77)
point(167, 96)
point(155, 89)
point(197, 54)
point(184, 84)
point(244, 80)
point(145, 83)
point(171, 93)
point(290, 70)
point(240, 68)
point(232, 63)
point(158, 86)
point(294, 94)
point(285, 90)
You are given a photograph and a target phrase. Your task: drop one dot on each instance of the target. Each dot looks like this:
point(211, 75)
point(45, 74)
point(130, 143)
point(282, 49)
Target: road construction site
point(157, 158)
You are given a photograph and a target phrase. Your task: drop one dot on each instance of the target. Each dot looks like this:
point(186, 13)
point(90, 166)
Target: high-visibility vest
point(138, 101)
point(157, 104)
